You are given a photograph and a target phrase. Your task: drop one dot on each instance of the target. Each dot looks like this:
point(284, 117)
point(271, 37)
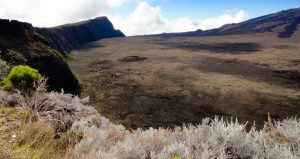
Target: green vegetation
point(21, 77)
point(177, 157)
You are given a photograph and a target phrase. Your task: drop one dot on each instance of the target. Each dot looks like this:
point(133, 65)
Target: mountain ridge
point(66, 37)
point(283, 23)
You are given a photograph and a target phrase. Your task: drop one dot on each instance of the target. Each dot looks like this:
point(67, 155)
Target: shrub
point(218, 139)
point(21, 77)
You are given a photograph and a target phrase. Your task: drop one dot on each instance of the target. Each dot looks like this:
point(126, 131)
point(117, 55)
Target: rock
point(67, 37)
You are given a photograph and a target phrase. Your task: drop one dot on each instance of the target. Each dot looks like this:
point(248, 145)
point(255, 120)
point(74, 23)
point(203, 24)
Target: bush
point(216, 139)
point(21, 77)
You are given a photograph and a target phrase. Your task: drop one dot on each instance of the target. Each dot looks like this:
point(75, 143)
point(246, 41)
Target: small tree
point(21, 77)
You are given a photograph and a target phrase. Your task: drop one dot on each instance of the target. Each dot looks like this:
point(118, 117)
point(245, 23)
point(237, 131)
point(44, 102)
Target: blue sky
point(202, 9)
point(197, 9)
point(138, 17)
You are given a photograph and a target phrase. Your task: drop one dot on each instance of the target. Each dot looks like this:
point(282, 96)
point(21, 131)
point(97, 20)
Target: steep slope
point(67, 37)
point(21, 44)
point(45, 48)
point(284, 24)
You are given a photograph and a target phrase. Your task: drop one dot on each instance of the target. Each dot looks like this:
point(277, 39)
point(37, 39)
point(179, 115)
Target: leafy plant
point(21, 77)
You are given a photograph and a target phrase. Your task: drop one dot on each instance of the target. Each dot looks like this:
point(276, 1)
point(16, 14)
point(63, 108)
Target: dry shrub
point(99, 138)
point(60, 109)
point(46, 119)
point(218, 139)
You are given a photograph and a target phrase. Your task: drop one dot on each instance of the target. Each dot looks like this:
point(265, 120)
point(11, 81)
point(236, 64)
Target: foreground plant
point(217, 140)
point(59, 125)
point(21, 77)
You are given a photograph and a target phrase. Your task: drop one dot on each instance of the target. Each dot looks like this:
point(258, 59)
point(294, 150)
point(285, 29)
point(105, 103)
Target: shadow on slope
point(252, 71)
point(230, 48)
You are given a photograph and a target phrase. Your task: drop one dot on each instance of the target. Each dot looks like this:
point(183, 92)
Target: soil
point(165, 82)
point(132, 59)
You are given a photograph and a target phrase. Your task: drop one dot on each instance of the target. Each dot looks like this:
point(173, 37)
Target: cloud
point(210, 23)
point(56, 12)
point(146, 19)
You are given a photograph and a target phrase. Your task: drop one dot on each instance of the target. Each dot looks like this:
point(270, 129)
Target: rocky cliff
point(67, 37)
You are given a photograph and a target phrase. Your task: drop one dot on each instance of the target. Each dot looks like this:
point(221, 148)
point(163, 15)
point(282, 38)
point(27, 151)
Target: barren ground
point(148, 81)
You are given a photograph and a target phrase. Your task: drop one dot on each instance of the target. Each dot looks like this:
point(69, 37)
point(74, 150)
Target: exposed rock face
point(67, 37)
point(14, 28)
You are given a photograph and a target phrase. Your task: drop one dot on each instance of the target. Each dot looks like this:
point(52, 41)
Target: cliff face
point(14, 28)
point(45, 48)
point(21, 44)
point(67, 37)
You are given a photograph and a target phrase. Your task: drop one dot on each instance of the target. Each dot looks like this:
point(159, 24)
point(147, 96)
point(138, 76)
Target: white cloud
point(210, 23)
point(56, 12)
point(146, 19)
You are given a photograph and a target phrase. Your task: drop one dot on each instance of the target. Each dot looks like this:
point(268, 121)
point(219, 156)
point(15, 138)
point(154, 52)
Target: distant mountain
point(284, 24)
point(67, 37)
point(45, 48)
point(182, 34)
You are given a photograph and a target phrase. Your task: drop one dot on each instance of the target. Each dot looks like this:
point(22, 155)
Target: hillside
point(67, 37)
point(21, 44)
point(284, 24)
point(46, 48)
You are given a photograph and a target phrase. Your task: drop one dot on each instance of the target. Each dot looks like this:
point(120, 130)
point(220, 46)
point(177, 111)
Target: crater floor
point(152, 82)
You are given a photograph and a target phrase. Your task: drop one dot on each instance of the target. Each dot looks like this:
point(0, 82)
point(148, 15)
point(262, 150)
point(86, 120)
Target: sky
point(140, 17)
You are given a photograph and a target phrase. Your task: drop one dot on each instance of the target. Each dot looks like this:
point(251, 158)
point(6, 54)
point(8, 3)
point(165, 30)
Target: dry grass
point(94, 136)
point(38, 124)
point(41, 139)
point(22, 139)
